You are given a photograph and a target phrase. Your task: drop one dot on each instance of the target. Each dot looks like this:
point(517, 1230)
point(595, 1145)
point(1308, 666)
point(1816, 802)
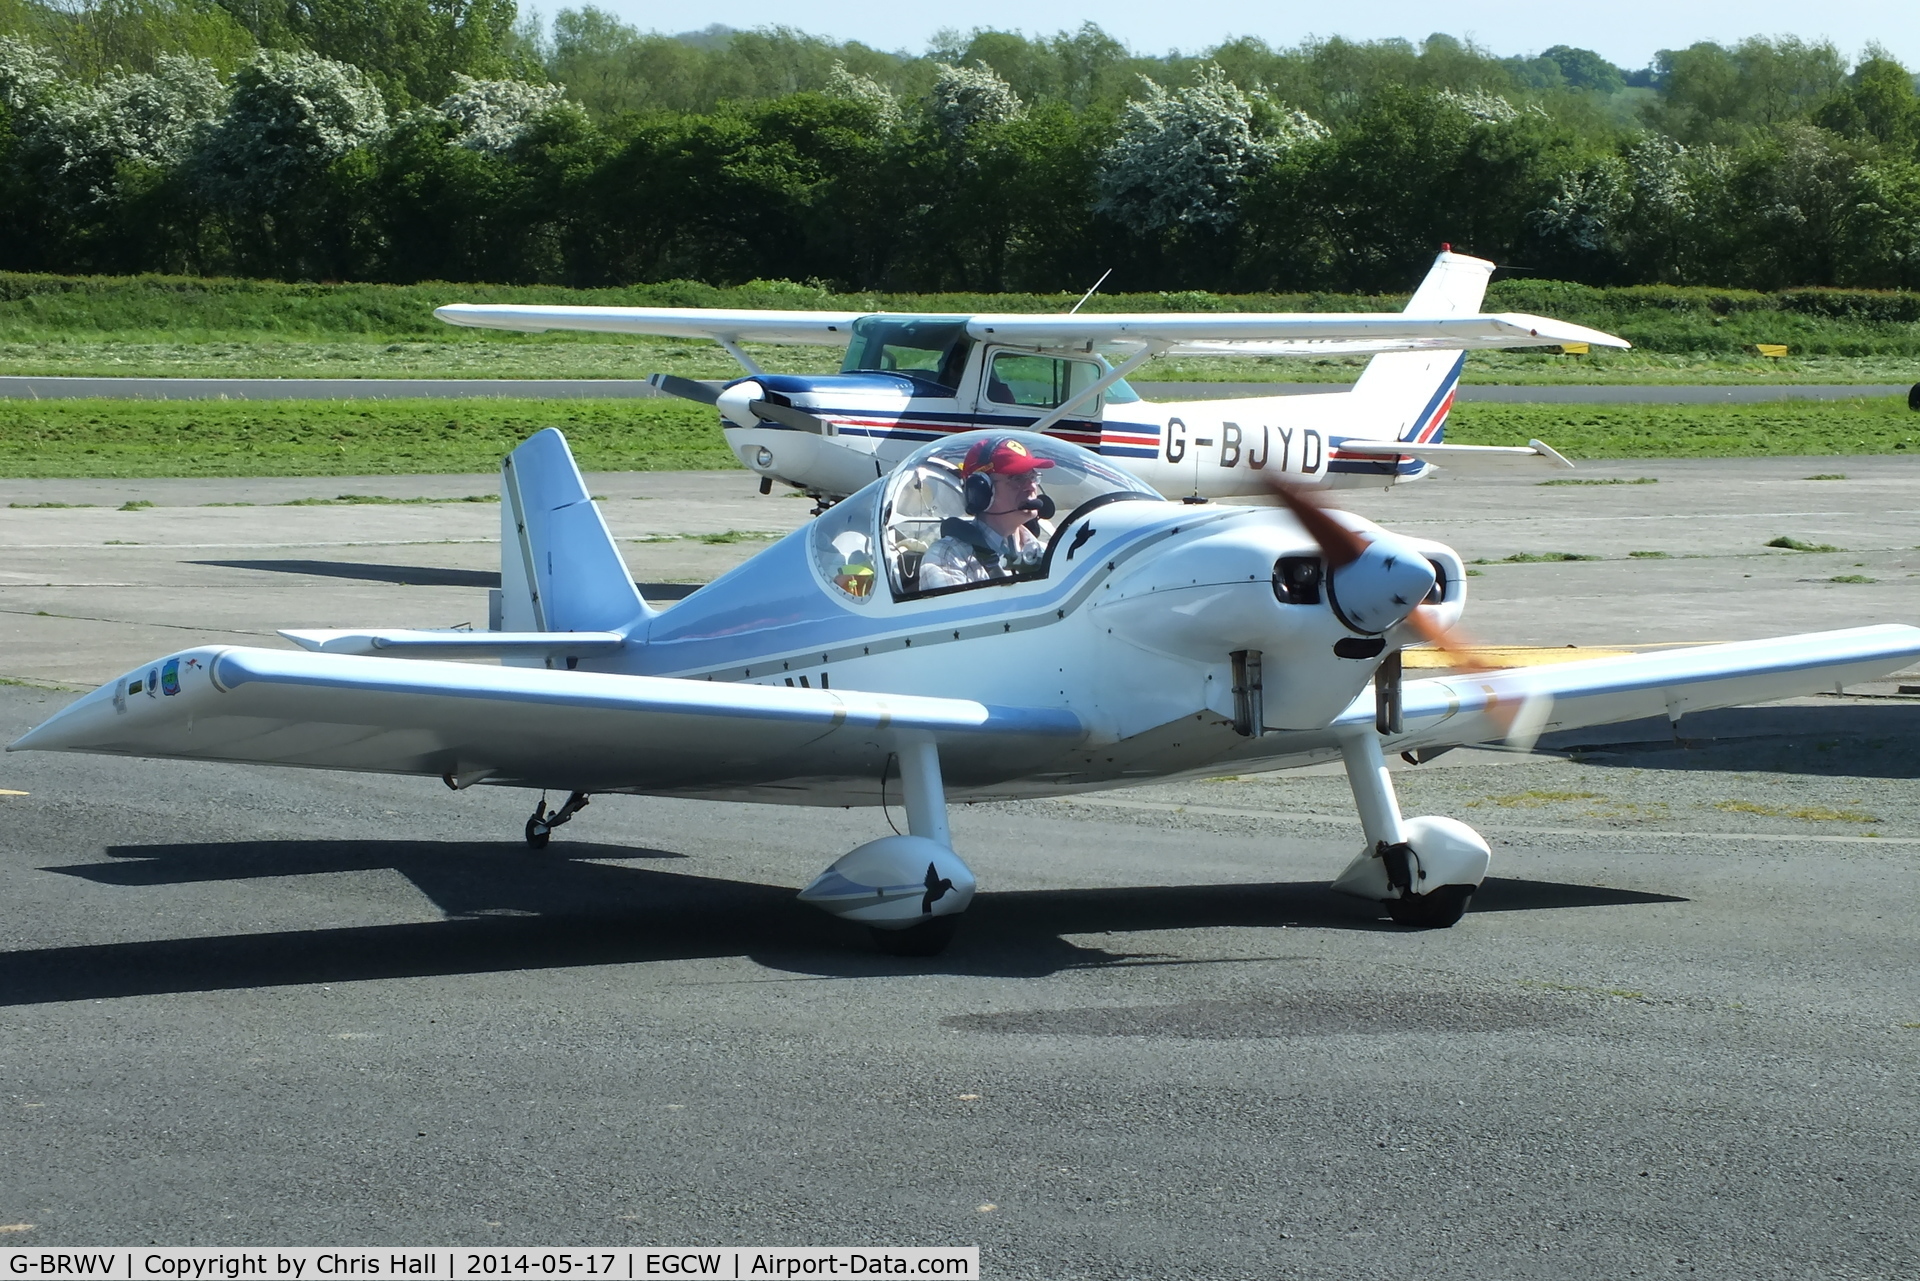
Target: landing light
point(763, 458)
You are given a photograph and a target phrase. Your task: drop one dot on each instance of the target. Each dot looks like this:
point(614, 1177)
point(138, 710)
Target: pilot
point(1003, 534)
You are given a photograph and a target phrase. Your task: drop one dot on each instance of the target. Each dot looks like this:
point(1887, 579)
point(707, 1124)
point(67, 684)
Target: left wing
point(589, 731)
point(1286, 333)
point(1452, 711)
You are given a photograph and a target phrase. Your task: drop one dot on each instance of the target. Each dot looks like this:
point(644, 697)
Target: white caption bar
point(494, 1263)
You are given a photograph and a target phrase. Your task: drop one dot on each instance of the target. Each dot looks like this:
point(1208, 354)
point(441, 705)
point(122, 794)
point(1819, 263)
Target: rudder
point(1413, 390)
point(559, 568)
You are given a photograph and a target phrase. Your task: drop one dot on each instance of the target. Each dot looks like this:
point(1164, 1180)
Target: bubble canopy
point(933, 541)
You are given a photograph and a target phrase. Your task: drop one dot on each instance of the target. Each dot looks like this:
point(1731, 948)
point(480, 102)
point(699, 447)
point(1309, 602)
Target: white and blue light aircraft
point(1003, 615)
point(908, 380)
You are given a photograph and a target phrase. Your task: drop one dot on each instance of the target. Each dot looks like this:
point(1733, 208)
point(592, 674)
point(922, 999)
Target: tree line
point(408, 140)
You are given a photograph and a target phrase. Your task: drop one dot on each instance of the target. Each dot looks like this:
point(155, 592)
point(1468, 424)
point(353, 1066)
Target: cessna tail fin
point(1413, 390)
point(559, 568)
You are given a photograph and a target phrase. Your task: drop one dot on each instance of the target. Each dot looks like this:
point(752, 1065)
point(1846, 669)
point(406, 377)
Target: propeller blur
point(1003, 615)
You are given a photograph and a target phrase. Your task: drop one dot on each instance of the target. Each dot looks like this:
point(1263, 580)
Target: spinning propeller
point(1375, 582)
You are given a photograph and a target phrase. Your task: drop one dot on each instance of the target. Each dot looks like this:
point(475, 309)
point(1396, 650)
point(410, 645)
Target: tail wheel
point(1432, 911)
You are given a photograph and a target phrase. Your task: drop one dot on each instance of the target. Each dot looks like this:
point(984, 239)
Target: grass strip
point(125, 438)
point(1882, 425)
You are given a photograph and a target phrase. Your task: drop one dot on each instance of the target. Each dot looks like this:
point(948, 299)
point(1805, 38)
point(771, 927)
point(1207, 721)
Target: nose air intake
point(1380, 587)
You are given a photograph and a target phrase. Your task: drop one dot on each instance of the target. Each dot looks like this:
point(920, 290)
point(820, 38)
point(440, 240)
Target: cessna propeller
point(741, 402)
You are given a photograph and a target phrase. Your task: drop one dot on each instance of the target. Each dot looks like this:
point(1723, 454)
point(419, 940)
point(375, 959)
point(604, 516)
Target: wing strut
point(922, 789)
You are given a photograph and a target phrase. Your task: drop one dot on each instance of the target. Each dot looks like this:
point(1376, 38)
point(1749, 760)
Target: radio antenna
point(1091, 292)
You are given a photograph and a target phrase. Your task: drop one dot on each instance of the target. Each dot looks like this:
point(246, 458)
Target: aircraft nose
point(733, 403)
point(1383, 586)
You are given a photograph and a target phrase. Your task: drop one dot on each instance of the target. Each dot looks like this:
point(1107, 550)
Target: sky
point(1626, 32)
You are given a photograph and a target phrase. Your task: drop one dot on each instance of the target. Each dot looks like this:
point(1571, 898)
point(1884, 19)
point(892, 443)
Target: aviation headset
point(977, 492)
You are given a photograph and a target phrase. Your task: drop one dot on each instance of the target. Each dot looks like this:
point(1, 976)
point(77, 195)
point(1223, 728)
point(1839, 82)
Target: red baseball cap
point(1002, 457)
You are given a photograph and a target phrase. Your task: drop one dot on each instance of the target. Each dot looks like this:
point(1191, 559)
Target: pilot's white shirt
point(951, 562)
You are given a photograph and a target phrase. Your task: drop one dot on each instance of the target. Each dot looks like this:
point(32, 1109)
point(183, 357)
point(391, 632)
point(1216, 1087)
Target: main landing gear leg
point(1423, 869)
point(540, 826)
point(908, 890)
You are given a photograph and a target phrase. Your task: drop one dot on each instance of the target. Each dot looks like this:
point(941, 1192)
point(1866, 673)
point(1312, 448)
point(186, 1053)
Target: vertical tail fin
point(559, 568)
point(1413, 390)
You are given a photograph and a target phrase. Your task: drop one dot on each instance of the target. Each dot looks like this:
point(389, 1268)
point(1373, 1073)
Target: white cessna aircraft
point(1004, 615)
point(911, 379)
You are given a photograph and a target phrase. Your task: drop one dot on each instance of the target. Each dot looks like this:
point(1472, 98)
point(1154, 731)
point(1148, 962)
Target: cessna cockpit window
point(939, 536)
point(1039, 382)
point(933, 351)
point(1119, 393)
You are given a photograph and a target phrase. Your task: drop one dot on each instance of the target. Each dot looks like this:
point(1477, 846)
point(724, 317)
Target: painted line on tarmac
point(424, 542)
point(1348, 820)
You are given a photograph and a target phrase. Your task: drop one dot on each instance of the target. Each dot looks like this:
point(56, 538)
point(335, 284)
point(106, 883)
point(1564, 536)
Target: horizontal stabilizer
point(1466, 459)
point(400, 642)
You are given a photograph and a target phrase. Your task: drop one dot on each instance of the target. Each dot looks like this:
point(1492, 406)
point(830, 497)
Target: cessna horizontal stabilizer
point(1470, 459)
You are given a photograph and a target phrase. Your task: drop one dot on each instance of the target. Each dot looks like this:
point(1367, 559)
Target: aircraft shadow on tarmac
point(511, 911)
point(1840, 739)
point(416, 575)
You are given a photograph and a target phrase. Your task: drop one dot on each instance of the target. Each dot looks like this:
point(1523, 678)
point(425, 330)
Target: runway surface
point(24, 387)
point(1676, 1034)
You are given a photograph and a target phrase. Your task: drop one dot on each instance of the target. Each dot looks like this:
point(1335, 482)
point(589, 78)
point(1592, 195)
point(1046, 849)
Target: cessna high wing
point(1004, 615)
point(911, 379)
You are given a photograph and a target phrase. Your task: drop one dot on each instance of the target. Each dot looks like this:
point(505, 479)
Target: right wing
point(1452, 711)
point(590, 731)
point(821, 328)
